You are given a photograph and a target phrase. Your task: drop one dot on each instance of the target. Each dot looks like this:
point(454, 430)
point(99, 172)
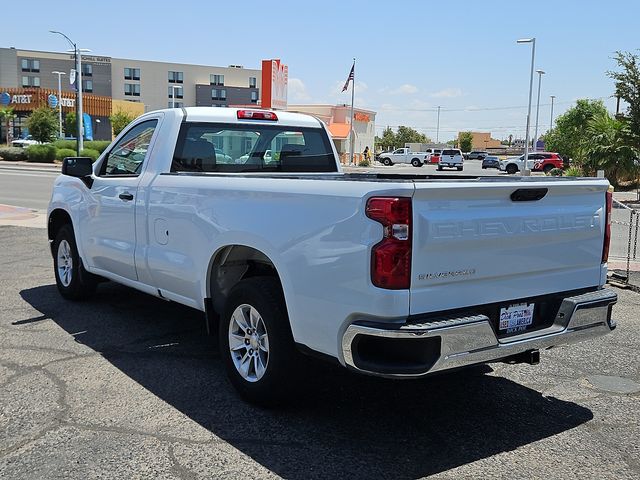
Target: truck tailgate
point(473, 244)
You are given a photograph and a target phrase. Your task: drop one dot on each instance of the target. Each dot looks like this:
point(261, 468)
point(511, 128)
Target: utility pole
point(438, 127)
point(59, 101)
point(535, 137)
point(525, 171)
point(78, 61)
point(553, 97)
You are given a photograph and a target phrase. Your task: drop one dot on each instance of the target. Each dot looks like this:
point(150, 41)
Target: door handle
point(126, 196)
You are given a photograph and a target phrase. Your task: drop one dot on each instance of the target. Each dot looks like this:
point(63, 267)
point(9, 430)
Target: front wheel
point(459, 169)
point(72, 280)
point(416, 163)
point(511, 169)
point(439, 168)
point(256, 343)
point(387, 162)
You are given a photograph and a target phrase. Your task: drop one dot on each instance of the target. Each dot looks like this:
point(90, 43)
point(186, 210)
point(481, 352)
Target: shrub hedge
point(68, 144)
point(99, 145)
point(62, 153)
point(13, 154)
point(41, 153)
point(91, 153)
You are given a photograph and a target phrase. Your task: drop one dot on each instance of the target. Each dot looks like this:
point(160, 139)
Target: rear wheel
point(511, 169)
point(387, 162)
point(547, 168)
point(416, 162)
point(72, 280)
point(256, 343)
point(439, 168)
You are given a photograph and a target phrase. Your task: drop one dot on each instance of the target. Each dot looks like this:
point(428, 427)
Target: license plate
point(516, 318)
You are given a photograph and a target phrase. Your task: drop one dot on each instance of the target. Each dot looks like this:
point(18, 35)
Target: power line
point(484, 109)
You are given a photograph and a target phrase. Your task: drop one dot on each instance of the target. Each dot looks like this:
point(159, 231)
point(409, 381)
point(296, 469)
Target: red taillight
point(391, 257)
point(256, 115)
point(607, 227)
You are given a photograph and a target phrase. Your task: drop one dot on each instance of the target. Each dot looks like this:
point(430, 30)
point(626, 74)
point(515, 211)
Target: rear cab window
point(237, 148)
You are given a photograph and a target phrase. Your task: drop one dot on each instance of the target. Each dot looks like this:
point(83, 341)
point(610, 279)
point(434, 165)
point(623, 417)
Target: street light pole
point(59, 100)
point(532, 41)
point(553, 97)
point(438, 127)
point(535, 137)
point(78, 55)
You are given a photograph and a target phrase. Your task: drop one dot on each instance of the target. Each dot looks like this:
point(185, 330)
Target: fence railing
point(624, 237)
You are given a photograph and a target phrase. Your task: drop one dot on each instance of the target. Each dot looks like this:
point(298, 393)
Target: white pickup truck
point(398, 276)
point(404, 155)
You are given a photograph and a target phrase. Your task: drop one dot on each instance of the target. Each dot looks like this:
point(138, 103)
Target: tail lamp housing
point(391, 257)
point(607, 226)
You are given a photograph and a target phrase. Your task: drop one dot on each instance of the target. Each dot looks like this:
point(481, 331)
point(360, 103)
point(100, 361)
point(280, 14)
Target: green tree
point(570, 132)
point(70, 125)
point(466, 141)
point(388, 139)
point(607, 148)
point(409, 135)
point(6, 115)
point(119, 120)
point(627, 82)
point(43, 124)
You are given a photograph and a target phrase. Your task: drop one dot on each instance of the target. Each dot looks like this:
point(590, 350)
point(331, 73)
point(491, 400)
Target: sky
point(411, 56)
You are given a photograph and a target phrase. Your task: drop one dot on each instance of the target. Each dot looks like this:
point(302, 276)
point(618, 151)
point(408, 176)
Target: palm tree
point(609, 146)
point(6, 115)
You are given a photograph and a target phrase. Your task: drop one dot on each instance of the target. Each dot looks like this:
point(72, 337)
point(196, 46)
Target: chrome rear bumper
point(462, 341)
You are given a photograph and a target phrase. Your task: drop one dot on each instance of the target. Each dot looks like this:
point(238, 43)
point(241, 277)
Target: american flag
point(349, 79)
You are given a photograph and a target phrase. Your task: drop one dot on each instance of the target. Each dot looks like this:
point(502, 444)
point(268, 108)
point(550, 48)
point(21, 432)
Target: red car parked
point(546, 161)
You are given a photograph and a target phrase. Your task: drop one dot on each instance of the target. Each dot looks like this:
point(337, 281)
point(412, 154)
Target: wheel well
point(232, 264)
point(57, 219)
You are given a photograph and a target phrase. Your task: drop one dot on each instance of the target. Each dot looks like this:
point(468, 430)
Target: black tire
point(459, 169)
point(276, 384)
point(547, 168)
point(416, 162)
point(77, 283)
point(511, 169)
point(484, 168)
point(387, 162)
point(439, 168)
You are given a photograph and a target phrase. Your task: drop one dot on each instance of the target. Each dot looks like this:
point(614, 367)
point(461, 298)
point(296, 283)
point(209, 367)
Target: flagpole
point(353, 88)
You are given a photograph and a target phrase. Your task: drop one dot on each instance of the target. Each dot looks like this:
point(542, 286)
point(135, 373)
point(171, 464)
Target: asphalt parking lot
point(128, 386)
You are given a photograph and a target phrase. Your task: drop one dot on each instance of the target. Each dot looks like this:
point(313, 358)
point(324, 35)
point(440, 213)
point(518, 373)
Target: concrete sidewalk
point(22, 217)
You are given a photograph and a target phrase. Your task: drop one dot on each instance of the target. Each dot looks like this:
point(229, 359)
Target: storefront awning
point(340, 131)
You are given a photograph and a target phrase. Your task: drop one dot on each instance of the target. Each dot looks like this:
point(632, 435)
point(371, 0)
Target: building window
point(254, 97)
point(87, 70)
point(177, 90)
point(132, 89)
point(218, 94)
point(252, 82)
point(175, 105)
point(30, 65)
point(131, 73)
point(87, 86)
point(216, 79)
point(28, 81)
point(176, 77)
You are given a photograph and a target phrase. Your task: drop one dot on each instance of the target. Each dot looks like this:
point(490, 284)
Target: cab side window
point(128, 155)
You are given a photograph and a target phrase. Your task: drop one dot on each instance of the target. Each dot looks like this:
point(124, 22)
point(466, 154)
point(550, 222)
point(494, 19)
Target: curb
point(31, 167)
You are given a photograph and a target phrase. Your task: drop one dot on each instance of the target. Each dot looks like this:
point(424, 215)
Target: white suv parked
point(451, 158)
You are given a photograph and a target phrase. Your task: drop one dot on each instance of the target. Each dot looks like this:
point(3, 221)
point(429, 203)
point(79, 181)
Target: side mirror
point(77, 166)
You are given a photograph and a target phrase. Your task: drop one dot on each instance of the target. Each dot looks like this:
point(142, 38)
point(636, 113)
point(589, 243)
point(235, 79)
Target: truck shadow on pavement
point(341, 424)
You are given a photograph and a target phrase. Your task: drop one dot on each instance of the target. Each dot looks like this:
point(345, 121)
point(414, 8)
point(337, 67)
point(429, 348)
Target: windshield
point(214, 147)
